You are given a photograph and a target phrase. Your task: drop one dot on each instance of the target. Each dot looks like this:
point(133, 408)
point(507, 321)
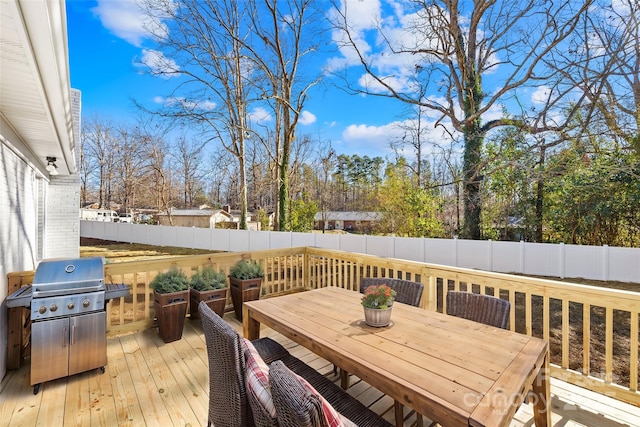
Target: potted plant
point(377, 302)
point(171, 296)
point(208, 285)
point(245, 278)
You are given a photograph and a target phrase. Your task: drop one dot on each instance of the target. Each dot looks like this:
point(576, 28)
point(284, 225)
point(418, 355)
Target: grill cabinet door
point(88, 342)
point(49, 350)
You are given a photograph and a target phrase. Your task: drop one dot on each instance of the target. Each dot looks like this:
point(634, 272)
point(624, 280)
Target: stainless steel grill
point(69, 321)
point(67, 287)
point(68, 318)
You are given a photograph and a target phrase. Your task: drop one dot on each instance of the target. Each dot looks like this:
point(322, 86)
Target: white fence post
point(605, 262)
point(562, 260)
point(490, 255)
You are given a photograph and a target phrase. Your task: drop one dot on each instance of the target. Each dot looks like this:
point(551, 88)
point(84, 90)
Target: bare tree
point(88, 166)
point(451, 47)
point(202, 41)
point(604, 62)
point(130, 165)
point(285, 35)
point(187, 159)
point(162, 177)
point(219, 170)
point(99, 144)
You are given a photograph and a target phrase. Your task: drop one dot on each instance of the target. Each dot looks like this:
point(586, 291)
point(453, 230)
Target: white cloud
point(371, 85)
point(364, 20)
point(125, 19)
point(307, 118)
point(363, 132)
point(159, 64)
point(201, 104)
point(362, 138)
point(541, 95)
point(259, 115)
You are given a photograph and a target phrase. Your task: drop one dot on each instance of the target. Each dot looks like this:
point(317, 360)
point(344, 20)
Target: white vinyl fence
point(543, 259)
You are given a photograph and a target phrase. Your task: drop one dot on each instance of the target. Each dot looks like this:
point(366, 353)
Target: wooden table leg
point(542, 395)
point(344, 379)
point(398, 409)
point(250, 326)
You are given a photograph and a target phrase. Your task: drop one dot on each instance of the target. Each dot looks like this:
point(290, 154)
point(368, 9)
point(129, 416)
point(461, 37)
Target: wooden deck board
point(126, 403)
point(150, 383)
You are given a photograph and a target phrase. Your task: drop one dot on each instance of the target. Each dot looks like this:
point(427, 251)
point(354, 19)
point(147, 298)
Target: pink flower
point(381, 297)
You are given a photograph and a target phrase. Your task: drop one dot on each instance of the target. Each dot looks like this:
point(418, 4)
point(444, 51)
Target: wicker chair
point(480, 308)
point(408, 292)
point(295, 405)
point(228, 400)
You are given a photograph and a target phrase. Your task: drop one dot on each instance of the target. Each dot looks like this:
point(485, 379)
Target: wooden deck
point(150, 383)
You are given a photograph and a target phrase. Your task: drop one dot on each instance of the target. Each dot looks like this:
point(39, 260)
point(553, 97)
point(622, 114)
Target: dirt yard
point(119, 252)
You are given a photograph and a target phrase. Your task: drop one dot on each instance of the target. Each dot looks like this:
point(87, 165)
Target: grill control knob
point(71, 306)
point(42, 309)
point(86, 303)
point(53, 307)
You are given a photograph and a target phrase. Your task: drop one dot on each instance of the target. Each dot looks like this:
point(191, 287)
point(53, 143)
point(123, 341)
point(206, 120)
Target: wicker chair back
point(480, 308)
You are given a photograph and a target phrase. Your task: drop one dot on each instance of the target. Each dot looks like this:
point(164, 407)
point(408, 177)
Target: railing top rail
point(623, 299)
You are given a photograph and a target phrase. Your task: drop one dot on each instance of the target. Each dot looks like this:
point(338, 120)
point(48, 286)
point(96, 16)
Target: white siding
point(18, 227)
point(62, 235)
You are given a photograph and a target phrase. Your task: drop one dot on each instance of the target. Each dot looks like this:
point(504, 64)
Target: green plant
point(378, 297)
point(247, 269)
point(208, 279)
point(169, 281)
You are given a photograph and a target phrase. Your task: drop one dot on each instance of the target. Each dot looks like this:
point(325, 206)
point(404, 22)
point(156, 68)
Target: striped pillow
point(332, 417)
point(257, 379)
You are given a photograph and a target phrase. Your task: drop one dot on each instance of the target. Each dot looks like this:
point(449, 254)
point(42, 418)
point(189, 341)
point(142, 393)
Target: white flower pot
point(377, 317)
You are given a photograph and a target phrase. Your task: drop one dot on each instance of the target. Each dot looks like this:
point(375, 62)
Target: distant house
point(203, 218)
point(348, 221)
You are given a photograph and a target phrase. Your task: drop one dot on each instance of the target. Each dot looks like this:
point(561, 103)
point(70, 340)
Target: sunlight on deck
point(148, 382)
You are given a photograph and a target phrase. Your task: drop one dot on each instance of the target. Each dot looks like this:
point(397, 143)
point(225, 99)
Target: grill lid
point(68, 276)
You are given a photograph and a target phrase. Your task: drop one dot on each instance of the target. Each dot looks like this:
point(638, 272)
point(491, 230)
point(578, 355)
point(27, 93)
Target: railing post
point(306, 267)
point(430, 297)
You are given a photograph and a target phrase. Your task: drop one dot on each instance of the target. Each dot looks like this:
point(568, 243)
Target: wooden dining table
point(451, 370)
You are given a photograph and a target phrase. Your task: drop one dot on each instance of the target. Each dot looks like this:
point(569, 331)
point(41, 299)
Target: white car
point(126, 217)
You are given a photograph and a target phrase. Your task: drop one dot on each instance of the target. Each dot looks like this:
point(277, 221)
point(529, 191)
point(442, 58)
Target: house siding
point(38, 219)
point(62, 230)
point(18, 227)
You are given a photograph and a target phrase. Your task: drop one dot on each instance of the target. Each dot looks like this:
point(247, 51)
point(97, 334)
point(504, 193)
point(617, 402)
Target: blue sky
point(106, 43)
point(107, 40)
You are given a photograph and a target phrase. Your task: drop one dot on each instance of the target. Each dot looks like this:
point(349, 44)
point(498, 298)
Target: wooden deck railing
point(603, 356)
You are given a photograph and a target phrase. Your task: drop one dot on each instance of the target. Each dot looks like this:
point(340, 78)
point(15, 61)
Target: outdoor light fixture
point(52, 168)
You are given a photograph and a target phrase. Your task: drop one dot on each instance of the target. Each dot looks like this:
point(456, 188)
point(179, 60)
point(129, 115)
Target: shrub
point(208, 279)
point(173, 280)
point(247, 269)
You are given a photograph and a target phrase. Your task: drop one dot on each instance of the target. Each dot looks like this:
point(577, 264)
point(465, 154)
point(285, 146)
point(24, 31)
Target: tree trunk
point(540, 196)
point(471, 193)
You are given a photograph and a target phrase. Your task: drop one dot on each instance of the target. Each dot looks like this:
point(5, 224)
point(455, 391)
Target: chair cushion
point(287, 385)
point(257, 383)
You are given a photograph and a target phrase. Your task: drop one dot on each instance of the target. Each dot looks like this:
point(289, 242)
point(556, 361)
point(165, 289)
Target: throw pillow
point(257, 379)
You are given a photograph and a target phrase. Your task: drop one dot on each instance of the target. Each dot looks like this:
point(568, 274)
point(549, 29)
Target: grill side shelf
point(20, 298)
point(116, 290)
